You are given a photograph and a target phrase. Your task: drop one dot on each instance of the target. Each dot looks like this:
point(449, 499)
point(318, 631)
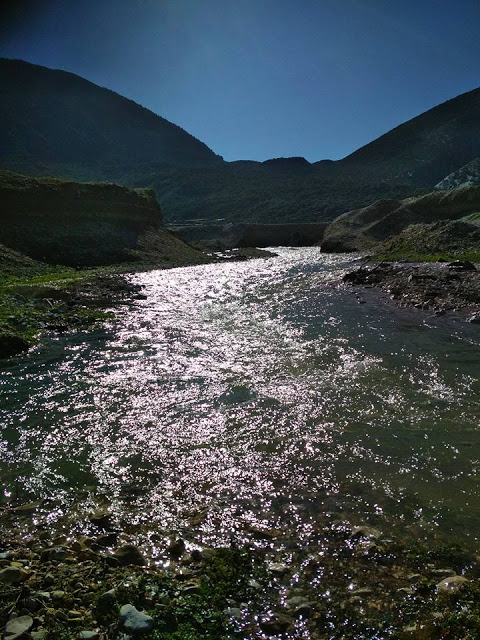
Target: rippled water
point(254, 393)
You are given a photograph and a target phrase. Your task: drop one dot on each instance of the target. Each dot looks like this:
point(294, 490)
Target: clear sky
point(256, 79)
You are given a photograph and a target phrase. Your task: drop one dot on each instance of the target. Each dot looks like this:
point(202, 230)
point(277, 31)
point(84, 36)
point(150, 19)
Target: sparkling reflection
point(255, 394)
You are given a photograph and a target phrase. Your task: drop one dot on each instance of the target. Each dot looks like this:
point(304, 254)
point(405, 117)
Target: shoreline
point(451, 288)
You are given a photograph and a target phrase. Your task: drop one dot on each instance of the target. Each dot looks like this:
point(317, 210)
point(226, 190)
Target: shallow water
point(255, 393)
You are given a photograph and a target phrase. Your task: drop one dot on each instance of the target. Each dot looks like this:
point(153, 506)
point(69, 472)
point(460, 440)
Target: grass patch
point(31, 302)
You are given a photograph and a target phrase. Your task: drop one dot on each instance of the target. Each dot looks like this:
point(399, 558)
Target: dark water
point(255, 393)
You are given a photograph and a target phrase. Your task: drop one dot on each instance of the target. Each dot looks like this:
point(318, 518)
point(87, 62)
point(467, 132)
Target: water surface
point(259, 393)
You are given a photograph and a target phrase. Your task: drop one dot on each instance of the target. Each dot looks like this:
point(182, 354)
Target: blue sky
point(256, 79)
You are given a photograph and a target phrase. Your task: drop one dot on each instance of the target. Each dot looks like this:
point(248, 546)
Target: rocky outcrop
point(362, 229)
point(85, 224)
point(467, 176)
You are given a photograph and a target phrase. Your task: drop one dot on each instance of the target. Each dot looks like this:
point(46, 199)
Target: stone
point(278, 568)
point(108, 598)
point(27, 509)
point(452, 584)
point(38, 635)
point(107, 539)
point(129, 554)
point(101, 518)
point(88, 635)
point(191, 587)
point(16, 627)
point(275, 625)
point(462, 265)
point(365, 532)
point(233, 612)
point(177, 547)
point(11, 345)
point(135, 622)
point(54, 554)
point(196, 555)
point(304, 610)
point(13, 575)
point(262, 533)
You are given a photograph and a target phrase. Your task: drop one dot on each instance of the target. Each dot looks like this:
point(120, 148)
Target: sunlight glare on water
point(255, 393)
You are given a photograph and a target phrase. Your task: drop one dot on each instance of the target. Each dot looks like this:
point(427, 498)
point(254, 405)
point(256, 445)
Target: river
point(249, 395)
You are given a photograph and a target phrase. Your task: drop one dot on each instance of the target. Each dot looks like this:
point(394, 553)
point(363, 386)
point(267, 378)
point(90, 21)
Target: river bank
point(442, 287)
point(353, 582)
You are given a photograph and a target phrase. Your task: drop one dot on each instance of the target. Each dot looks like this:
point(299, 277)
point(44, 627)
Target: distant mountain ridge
point(59, 124)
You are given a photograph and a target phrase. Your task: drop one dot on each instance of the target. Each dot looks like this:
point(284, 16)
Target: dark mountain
point(425, 149)
point(54, 117)
point(56, 123)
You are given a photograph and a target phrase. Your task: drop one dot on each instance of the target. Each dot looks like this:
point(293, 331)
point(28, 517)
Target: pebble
point(101, 519)
point(453, 583)
point(278, 568)
point(16, 627)
point(365, 532)
point(134, 621)
point(177, 547)
point(108, 598)
point(275, 625)
point(88, 635)
point(13, 575)
point(54, 554)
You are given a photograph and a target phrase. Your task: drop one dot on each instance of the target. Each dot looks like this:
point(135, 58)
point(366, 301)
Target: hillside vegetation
point(449, 239)
point(54, 118)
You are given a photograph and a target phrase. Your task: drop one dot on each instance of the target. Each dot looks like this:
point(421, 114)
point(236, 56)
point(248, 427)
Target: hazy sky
point(256, 79)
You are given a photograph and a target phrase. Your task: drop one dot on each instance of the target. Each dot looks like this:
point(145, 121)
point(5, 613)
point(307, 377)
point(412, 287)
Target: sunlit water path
point(251, 394)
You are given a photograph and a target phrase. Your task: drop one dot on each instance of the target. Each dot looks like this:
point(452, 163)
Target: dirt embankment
point(82, 224)
point(362, 229)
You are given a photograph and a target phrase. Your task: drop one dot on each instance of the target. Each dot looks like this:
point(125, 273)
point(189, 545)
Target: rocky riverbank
point(441, 287)
point(352, 582)
point(57, 302)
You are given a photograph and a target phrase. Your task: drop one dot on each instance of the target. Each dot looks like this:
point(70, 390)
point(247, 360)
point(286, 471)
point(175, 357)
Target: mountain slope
point(425, 149)
point(468, 175)
point(49, 116)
